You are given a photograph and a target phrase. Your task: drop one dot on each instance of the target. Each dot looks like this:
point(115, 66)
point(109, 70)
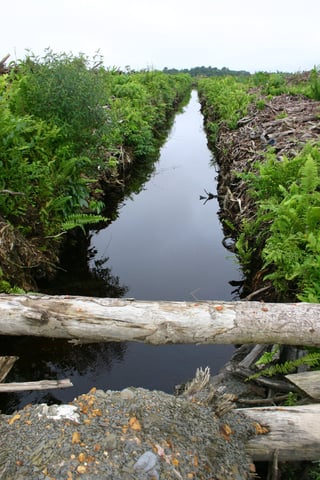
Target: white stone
point(58, 412)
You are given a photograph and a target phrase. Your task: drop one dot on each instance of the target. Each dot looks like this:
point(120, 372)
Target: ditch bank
point(30, 261)
point(284, 125)
point(129, 434)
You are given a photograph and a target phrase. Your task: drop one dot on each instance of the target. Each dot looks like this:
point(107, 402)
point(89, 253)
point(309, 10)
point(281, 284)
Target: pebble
point(147, 463)
point(135, 434)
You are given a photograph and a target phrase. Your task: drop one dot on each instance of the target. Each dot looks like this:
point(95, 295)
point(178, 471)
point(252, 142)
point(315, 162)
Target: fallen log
point(207, 322)
point(40, 385)
point(292, 431)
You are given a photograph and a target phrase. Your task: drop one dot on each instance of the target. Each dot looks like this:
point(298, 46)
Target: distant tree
point(207, 71)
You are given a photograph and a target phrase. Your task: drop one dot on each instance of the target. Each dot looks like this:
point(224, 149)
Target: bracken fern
point(311, 360)
point(80, 220)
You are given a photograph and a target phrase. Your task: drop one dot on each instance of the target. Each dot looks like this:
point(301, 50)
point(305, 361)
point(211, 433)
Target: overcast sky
point(273, 35)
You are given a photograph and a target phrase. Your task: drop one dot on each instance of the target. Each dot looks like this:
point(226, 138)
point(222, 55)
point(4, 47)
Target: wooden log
point(6, 363)
point(40, 385)
point(252, 357)
point(119, 320)
point(309, 382)
point(293, 431)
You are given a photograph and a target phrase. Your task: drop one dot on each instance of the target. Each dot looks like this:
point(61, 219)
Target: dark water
point(165, 245)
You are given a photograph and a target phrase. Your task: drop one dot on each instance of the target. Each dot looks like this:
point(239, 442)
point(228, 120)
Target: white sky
point(273, 35)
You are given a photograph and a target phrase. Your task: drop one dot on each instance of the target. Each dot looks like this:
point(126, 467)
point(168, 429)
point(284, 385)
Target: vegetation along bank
point(264, 130)
point(71, 132)
point(265, 133)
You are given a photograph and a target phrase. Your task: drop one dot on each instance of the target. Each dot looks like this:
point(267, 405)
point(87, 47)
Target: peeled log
point(39, 385)
point(293, 431)
point(209, 322)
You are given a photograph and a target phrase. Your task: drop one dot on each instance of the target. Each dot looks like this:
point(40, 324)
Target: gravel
point(123, 435)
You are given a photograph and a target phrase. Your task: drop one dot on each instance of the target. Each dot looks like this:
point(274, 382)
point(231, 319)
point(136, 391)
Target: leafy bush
point(315, 83)
point(38, 177)
point(276, 84)
point(141, 105)
point(223, 100)
point(62, 89)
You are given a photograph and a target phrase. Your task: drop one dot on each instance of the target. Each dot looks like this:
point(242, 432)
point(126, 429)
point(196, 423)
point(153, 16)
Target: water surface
point(165, 245)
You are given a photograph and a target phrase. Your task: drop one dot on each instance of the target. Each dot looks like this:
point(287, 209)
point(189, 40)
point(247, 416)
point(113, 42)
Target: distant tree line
point(207, 71)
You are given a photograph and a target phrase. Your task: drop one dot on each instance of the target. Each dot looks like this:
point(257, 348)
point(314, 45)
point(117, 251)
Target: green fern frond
point(81, 219)
point(311, 359)
point(309, 175)
point(268, 357)
point(313, 217)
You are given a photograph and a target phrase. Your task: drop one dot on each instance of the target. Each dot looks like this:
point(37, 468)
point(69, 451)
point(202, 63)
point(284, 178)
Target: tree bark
point(293, 431)
point(208, 322)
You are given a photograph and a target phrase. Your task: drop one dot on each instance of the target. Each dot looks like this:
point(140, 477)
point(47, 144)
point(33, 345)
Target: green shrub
point(39, 177)
point(225, 99)
point(315, 83)
point(61, 89)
